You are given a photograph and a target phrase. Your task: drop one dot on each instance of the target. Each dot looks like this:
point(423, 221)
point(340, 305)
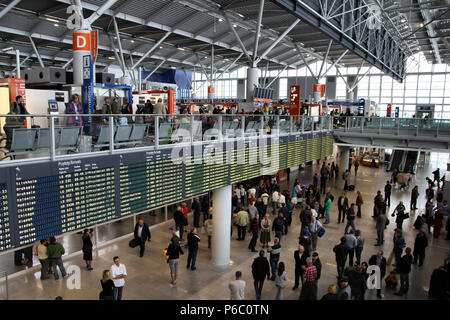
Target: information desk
point(49, 198)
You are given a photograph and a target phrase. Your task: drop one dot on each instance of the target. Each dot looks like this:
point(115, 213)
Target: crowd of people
point(266, 210)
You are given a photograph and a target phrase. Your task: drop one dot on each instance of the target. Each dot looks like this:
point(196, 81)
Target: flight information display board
point(82, 194)
point(47, 198)
point(5, 233)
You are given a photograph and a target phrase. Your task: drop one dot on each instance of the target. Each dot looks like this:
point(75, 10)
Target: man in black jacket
point(420, 244)
point(18, 107)
point(342, 207)
point(380, 261)
point(387, 193)
point(178, 216)
point(260, 270)
point(300, 256)
point(305, 217)
point(376, 204)
point(141, 234)
point(196, 207)
point(193, 240)
point(404, 268)
point(340, 251)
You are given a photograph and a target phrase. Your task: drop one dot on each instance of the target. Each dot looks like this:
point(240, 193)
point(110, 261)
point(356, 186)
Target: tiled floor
point(148, 277)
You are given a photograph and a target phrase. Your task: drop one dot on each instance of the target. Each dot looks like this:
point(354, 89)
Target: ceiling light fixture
point(51, 19)
point(132, 41)
point(180, 48)
point(234, 25)
point(111, 58)
point(220, 20)
point(56, 25)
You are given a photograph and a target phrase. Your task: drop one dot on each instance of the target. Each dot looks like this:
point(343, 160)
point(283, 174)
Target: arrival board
point(47, 198)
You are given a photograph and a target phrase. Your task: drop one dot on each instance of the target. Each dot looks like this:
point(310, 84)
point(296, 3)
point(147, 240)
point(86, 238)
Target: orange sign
point(94, 44)
point(171, 101)
point(16, 88)
point(81, 42)
point(210, 89)
point(319, 88)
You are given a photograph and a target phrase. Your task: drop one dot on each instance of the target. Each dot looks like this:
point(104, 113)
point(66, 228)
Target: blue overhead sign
point(88, 91)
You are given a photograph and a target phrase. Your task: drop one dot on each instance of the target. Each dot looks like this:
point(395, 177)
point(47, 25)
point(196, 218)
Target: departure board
point(5, 233)
point(46, 198)
point(151, 183)
point(296, 152)
point(283, 154)
point(51, 205)
point(327, 146)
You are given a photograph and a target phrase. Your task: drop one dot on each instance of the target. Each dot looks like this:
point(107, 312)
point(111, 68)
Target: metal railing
point(397, 126)
point(55, 136)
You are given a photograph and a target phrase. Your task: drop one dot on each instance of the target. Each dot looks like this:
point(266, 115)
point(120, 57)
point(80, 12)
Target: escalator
point(396, 160)
point(411, 161)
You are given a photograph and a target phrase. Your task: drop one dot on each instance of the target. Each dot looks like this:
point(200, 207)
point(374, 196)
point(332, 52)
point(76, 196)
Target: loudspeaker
point(51, 75)
point(105, 78)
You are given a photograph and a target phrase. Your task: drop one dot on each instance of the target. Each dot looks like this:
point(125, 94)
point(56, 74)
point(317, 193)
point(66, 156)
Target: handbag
point(321, 232)
point(165, 254)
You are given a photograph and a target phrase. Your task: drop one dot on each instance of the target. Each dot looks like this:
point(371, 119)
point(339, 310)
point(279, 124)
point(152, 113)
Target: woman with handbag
point(401, 215)
point(266, 226)
point(173, 253)
point(314, 228)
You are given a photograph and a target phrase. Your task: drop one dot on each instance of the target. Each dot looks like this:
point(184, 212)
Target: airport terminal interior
point(224, 149)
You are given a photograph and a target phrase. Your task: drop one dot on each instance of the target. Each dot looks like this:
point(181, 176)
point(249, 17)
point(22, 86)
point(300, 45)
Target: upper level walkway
point(404, 133)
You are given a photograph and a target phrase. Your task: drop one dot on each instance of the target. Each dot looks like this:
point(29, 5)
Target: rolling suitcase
point(351, 187)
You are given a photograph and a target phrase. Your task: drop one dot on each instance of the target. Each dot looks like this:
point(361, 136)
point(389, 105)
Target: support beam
point(154, 70)
point(203, 67)
point(281, 37)
point(278, 75)
point(187, 78)
point(156, 45)
point(306, 63)
point(116, 29)
point(17, 63)
point(36, 52)
point(258, 30)
point(67, 63)
point(241, 44)
point(334, 63)
point(8, 8)
point(325, 58)
point(100, 11)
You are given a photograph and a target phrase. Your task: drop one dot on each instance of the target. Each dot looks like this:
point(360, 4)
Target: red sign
point(16, 88)
point(294, 95)
point(210, 89)
point(388, 111)
point(171, 101)
point(81, 42)
point(94, 44)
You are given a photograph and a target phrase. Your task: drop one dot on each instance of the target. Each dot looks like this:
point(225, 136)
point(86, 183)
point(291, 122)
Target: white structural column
point(221, 200)
point(344, 154)
point(252, 82)
point(80, 49)
point(349, 95)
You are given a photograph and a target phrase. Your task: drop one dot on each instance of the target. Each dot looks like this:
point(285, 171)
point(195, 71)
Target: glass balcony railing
point(425, 127)
point(53, 136)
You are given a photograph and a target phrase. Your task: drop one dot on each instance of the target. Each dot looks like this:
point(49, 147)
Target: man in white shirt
point(275, 199)
point(252, 192)
point(237, 287)
point(238, 192)
point(118, 275)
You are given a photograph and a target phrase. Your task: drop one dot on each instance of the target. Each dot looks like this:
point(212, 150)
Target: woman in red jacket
point(438, 223)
